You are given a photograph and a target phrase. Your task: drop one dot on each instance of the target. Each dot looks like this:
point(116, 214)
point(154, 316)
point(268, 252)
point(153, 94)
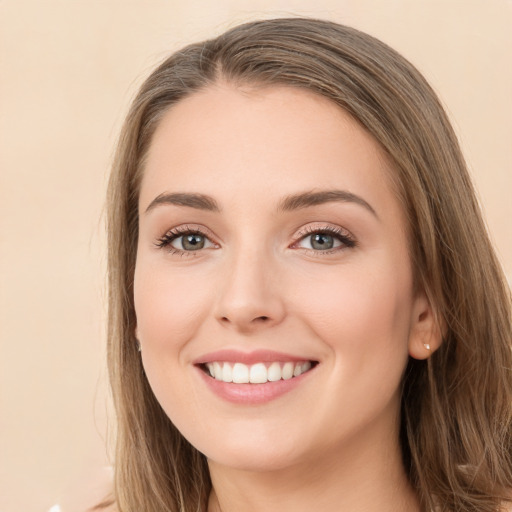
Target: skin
point(332, 442)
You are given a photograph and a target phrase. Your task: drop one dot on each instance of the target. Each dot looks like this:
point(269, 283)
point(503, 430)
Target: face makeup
point(273, 286)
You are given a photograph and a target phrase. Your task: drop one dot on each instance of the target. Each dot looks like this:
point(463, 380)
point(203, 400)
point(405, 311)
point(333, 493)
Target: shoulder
point(91, 493)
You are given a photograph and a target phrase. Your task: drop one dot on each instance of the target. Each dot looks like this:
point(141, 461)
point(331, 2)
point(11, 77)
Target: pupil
point(322, 241)
point(193, 242)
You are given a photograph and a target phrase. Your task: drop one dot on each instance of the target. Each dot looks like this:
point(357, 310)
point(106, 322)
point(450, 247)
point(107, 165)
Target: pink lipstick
point(252, 378)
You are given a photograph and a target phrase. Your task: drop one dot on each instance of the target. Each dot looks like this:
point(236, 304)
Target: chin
point(255, 460)
point(257, 453)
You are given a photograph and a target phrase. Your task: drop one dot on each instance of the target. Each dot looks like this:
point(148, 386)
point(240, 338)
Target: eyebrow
point(289, 203)
point(198, 201)
point(312, 198)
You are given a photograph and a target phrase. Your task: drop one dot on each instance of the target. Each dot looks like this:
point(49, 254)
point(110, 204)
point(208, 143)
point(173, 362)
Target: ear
point(426, 333)
point(137, 341)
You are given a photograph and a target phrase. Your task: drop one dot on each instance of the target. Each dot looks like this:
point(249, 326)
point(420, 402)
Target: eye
point(191, 242)
point(184, 239)
point(320, 242)
point(325, 239)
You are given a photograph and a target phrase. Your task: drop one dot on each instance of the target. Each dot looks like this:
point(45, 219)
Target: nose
point(250, 298)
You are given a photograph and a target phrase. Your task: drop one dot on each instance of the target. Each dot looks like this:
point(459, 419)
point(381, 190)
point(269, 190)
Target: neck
point(365, 477)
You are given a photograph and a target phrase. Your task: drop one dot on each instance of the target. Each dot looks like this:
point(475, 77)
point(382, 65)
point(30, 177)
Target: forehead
point(269, 140)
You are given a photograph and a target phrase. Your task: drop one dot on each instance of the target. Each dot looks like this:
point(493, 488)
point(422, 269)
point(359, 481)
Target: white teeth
point(258, 373)
point(227, 373)
point(217, 371)
point(287, 371)
point(306, 366)
point(274, 372)
point(240, 373)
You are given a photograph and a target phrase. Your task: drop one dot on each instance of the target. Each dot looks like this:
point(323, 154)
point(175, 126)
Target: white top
point(87, 491)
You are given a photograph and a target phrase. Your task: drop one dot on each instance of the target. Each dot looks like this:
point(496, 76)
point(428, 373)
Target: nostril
point(255, 321)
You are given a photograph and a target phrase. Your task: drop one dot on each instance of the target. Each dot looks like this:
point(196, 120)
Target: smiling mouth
point(259, 373)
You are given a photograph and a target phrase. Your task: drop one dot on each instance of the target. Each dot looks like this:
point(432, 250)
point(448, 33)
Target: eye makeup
point(194, 238)
point(323, 239)
point(317, 239)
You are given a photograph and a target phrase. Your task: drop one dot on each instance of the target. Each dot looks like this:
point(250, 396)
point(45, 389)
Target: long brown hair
point(456, 431)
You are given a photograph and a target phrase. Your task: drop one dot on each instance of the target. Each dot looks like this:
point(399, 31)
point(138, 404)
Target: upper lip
point(256, 356)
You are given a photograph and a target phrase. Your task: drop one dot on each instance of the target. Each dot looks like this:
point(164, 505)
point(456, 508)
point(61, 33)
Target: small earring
point(426, 345)
point(139, 348)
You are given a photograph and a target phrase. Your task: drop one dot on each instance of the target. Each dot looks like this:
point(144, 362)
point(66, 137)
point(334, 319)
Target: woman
point(305, 309)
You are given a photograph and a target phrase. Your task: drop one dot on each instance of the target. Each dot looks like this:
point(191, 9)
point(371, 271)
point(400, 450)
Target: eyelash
point(347, 241)
point(166, 240)
point(342, 235)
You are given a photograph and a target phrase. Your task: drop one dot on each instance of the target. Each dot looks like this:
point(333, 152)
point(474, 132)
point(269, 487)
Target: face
point(273, 287)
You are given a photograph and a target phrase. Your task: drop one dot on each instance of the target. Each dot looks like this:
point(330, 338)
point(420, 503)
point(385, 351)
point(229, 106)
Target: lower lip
point(252, 394)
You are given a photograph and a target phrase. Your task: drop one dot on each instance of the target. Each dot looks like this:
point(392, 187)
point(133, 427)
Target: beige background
point(68, 70)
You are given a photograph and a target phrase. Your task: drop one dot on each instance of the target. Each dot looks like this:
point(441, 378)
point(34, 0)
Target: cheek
point(363, 315)
point(168, 305)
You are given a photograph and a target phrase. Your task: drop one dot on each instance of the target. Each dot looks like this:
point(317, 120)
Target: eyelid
point(343, 235)
point(165, 241)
